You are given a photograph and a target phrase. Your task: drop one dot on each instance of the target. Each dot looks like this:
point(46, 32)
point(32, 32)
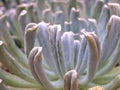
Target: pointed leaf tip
point(31, 27)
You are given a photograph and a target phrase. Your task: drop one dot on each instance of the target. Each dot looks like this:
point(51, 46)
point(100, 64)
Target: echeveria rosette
point(76, 55)
point(64, 58)
point(86, 58)
point(61, 53)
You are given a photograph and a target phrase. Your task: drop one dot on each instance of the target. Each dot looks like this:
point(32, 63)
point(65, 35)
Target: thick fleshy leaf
point(92, 26)
point(16, 81)
point(67, 26)
point(76, 48)
point(106, 78)
point(50, 74)
point(47, 36)
point(112, 34)
point(102, 22)
point(70, 80)
point(60, 56)
point(97, 9)
point(41, 5)
point(74, 20)
point(72, 3)
point(59, 18)
point(29, 37)
point(83, 24)
point(43, 38)
point(41, 74)
point(47, 15)
point(82, 56)
point(35, 58)
point(93, 56)
point(22, 20)
point(89, 25)
point(19, 8)
point(11, 13)
point(30, 13)
point(12, 48)
point(14, 21)
point(31, 60)
point(17, 31)
point(97, 42)
point(89, 5)
point(114, 8)
point(14, 67)
point(113, 60)
point(55, 32)
point(67, 46)
point(82, 8)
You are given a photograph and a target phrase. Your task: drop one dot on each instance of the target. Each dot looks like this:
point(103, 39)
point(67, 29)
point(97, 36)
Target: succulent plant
point(69, 49)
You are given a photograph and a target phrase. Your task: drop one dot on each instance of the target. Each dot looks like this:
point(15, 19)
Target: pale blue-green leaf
point(61, 61)
point(81, 56)
point(16, 81)
point(47, 16)
point(89, 5)
point(102, 22)
point(67, 26)
point(59, 18)
point(76, 48)
point(31, 56)
point(93, 57)
point(74, 14)
point(97, 42)
point(17, 31)
point(30, 13)
point(83, 24)
point(95, 13)
point(106, 78)
point(11, 14)
point(112, 35)
point(113, 60)
point(13, 49)
point(39, 71)
point(92, 26)
point(44, 40)
point(67, 46)
point(40, 5)
point(50, 74)
point(22, 20)
point(29, 37)
point(54, 32)
point(71, 4)
point(14, 66)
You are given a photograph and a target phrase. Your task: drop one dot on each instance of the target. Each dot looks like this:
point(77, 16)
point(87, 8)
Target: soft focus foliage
point(60, 45)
